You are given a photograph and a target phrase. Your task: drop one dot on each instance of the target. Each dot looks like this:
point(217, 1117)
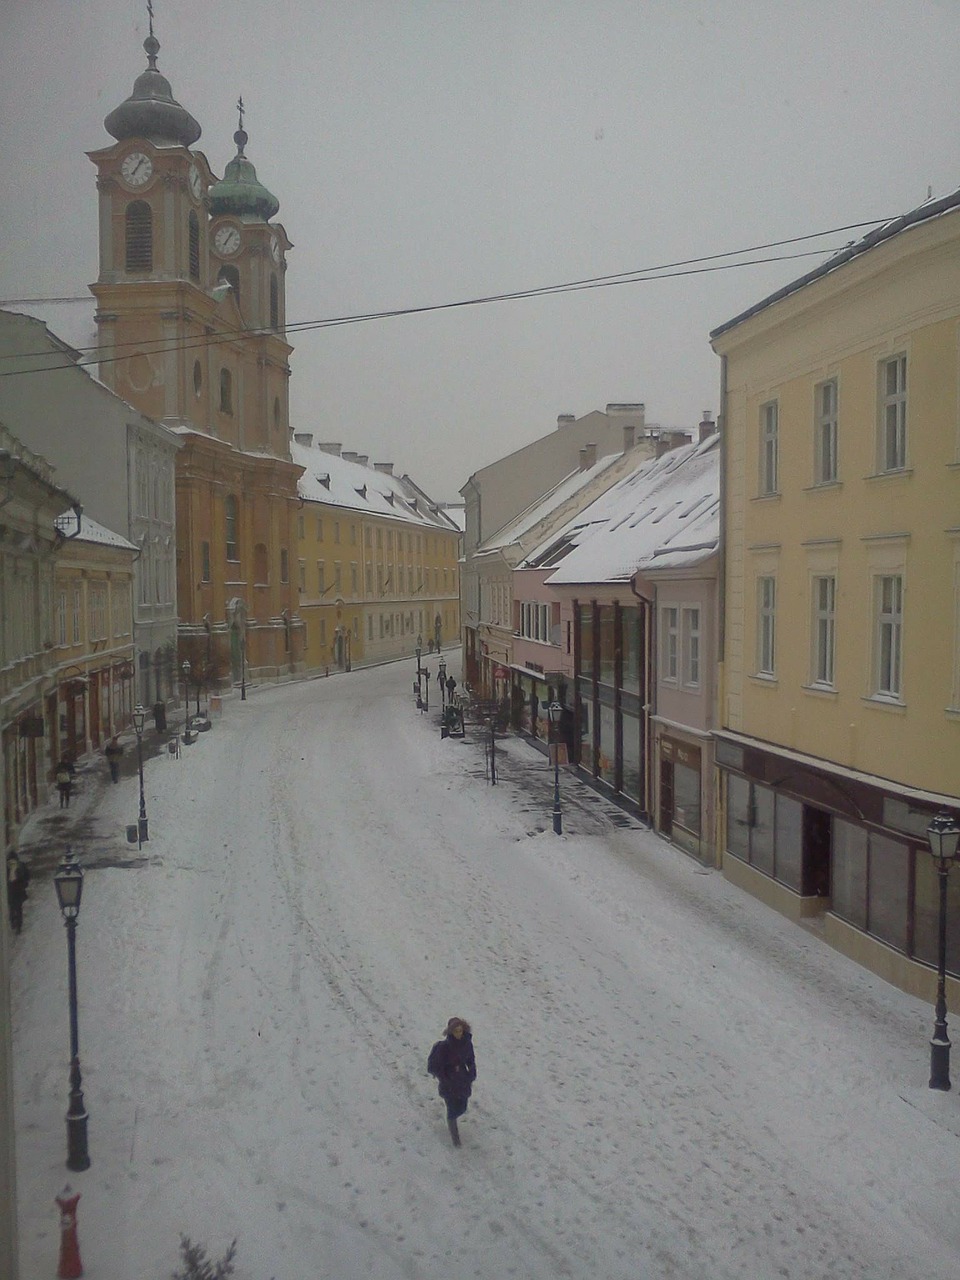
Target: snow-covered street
point(673, 1080)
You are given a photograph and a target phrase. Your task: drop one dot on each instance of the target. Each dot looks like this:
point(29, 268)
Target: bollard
point(70, 1265)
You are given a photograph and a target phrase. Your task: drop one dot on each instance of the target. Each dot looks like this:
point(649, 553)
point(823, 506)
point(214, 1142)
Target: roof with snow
point(92, 531)
point(665, 515)
point(539, 510)
point(352, 483)
point(886, 231)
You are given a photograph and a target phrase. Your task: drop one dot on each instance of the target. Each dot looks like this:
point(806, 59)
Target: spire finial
point(151, 44)
point(240, 137)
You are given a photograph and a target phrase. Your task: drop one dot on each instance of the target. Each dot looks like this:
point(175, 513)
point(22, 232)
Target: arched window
point(230, 526)
point(226, 391)
point(261, 572)
point(194, 236)
point(197, 378)
point(231, 276)
point(274, 303)
point(139, 237)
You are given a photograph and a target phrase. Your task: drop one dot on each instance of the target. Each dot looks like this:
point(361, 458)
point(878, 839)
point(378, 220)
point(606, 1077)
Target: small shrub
point(195, 1265)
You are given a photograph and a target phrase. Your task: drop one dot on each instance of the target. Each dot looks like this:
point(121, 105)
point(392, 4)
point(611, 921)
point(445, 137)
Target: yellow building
point(378, 561)
point(191, 316)
point(840, 661)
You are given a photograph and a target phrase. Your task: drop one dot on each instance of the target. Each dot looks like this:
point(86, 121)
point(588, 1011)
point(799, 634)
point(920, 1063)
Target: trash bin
point(160, 717)
point(132, 833)
point(216, 704)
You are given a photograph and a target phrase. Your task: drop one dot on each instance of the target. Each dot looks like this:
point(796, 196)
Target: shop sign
point(680, 752)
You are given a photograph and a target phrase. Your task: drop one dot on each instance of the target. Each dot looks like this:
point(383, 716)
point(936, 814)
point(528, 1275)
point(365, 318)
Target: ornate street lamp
point(68, 881)
point(554, 712)
point(943, 835)
point(139, 718)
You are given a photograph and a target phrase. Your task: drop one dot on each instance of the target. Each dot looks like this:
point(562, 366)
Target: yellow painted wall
point(901, 297)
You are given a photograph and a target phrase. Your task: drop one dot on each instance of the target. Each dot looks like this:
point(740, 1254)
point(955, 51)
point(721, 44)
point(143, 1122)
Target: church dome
point(151, 111)
point(239, 192)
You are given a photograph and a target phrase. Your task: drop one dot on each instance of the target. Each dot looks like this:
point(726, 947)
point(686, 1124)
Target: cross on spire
point(150, 14)
point(240, 109)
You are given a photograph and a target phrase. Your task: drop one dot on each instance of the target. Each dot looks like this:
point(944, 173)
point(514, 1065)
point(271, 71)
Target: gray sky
point(430, 151)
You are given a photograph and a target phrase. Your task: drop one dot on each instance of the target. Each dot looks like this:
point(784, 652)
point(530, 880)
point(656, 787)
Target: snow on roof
point(665, 515)
point(933, 207)
point(354, 485)
point(539, 510)
point(92, 531)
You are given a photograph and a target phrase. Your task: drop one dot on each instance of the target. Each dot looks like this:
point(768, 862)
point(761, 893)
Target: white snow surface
point(674, 1081)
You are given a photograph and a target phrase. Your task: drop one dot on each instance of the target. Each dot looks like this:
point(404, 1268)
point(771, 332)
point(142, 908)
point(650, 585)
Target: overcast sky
point(432, 151)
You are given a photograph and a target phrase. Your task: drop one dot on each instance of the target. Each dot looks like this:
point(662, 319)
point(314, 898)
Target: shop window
point(586, 642)
point(871, 882)
point(608, 645)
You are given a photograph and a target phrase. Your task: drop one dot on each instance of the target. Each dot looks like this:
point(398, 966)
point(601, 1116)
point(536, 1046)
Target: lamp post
point(139, 717)
point(68, 881)
point(243, 665)
point(554, 712)
point(943, 835)
point(442, 673)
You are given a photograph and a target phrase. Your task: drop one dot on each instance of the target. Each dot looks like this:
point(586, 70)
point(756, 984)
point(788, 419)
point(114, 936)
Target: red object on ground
point(70, 1265)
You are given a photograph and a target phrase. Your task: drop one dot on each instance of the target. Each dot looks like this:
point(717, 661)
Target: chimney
point(349, 456)
point(565, 420)
point(303, 437)
point(588, 457)
point(363, 459)
point(629, 436)
point(331, 448)
point(707, 426)
point(385, 467)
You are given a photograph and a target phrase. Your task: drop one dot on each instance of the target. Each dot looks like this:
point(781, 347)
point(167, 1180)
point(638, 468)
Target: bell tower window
point(139, 236)
point(194, 247)
point(274, 303)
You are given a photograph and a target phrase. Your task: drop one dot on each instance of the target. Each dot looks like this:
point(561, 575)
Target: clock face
point(227, 240)
point(196, 182)
point(275, 249)
point(137, 169)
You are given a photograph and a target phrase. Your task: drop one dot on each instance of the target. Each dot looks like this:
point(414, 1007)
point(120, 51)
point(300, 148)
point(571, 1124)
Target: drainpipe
point(647, 615)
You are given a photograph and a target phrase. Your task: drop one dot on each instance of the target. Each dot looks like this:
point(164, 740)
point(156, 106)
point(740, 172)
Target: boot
point(454, 1131)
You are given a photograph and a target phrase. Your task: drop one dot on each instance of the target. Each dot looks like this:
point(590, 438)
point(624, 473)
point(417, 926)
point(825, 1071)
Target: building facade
point(191, 313)
point(118, 462)
point(377, 561)
point(838, 730)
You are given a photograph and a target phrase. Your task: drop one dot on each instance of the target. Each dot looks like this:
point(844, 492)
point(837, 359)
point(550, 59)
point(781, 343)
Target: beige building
point(378, 561)
point(839, 700)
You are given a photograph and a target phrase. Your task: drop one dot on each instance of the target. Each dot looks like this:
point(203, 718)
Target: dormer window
point(362, 490)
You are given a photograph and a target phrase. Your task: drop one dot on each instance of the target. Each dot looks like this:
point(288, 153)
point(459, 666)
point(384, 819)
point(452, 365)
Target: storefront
point(816, 839)
point(682, 803)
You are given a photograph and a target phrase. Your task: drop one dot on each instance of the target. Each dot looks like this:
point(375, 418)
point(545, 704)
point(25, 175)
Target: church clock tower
point(210, 361)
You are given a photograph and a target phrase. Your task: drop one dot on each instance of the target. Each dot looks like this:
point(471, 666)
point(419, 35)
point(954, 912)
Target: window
point(261, 564)
point(321, 584)
point(193, 236)
point(77, 615)
point(824, 628)
point(97, 622)
point(284, 565)
point(197, 378)
point(691, 647)
point(768, 447)
point(139, 236)
point(893, 414)
point(889, 635)
point(226, 391)
point(274, 303)
point(204, 561)
point(825, 440)
point(535, 621)
point(870, 882)
point(336, 532)
point(354, 590)
point(670, 643)
point(336, 578)
point(230, 526)
point(319, 528)
point(766, 625)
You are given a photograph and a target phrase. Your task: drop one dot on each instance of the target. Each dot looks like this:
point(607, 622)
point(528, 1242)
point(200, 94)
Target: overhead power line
point(702, 265)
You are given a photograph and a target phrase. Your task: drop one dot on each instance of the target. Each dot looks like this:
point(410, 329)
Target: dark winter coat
point(452, 1062)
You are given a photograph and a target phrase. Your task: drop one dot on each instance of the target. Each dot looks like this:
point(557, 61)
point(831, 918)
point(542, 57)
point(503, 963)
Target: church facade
point(190, 320)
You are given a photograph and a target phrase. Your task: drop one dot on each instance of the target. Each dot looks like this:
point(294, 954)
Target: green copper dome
point(151, 111)
point(239, 192)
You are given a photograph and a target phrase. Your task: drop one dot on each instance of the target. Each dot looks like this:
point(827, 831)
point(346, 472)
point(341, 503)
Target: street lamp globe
point(139, 719)
point(68, 882)
point(943, 835)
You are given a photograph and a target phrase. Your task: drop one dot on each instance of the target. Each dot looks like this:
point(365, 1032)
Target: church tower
point(190, 315)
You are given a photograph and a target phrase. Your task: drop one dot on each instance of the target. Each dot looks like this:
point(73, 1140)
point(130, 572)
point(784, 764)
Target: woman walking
point(453, 1064)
